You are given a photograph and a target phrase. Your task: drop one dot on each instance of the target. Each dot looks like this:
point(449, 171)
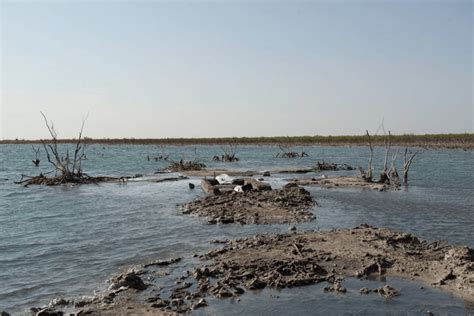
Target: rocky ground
point(287, 260)
point(269, 206)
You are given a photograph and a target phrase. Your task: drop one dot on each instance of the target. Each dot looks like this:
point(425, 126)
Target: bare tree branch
point(407, 161)
point(367, 174)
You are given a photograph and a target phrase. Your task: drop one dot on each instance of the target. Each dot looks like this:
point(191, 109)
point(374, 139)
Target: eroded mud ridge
point(286, 205)
point(297, 259)
point(284, 260)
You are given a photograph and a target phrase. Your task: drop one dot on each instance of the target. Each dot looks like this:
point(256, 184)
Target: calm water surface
point(65, 241)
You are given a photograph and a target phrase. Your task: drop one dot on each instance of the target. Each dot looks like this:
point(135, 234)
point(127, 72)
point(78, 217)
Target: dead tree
point(392, 174)
point(384, 175)
point(387, 176)
point(36, 162)
point(229, 154)
point(69, 170)
point(288, 152)
point(406, 164)
point(67, 167)
point(368, 174)
point(161, 156)
point(184, 165)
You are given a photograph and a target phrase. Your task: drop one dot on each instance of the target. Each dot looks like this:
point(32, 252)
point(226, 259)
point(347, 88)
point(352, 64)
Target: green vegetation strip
point(456, 140)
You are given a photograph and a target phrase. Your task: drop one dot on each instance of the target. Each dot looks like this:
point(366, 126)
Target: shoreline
point(447, 141)
point(283, 260)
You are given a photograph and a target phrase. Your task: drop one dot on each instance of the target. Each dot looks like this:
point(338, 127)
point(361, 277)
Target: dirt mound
point(286, 205)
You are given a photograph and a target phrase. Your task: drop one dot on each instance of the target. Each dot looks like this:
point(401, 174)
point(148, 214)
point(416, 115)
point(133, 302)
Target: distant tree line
point(465, 140)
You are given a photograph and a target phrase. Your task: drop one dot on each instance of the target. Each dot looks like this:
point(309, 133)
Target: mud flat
point(285, 261)
point(297, 259)
point(343, 182)
point(269, 206)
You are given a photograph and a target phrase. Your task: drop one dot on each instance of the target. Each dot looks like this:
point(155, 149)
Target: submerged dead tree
point(288, 152)
point(67, 166)
point(388, 176)
point(406, 164)
point(229, 154)
point(387, 143)
point(36, 161)
point(368, 174)
point(393, 173)
point(160, 156)
point(184, 165)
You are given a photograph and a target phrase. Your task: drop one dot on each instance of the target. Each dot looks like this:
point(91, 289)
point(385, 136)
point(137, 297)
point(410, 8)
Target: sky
point(156, 69)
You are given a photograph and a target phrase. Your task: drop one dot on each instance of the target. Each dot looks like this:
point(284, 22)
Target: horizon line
point(270, 138)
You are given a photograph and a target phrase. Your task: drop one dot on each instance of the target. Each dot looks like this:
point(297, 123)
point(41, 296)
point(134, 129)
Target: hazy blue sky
point(235, 68)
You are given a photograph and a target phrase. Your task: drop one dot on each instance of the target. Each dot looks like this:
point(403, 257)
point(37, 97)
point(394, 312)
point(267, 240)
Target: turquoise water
point(65, 241)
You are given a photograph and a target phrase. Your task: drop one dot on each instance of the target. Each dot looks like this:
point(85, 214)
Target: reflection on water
point(59, 241)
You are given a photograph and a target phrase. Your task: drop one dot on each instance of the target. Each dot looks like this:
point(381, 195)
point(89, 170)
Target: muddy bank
point(343, 182)
point(131, 292)
point(69, 180)
point(317, 168)
point(285, 261)
point(243, 173)
point(298, 259)
point(256, 206)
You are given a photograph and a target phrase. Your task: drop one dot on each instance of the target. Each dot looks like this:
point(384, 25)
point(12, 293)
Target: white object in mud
point(224, 179)
point(238, 188)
